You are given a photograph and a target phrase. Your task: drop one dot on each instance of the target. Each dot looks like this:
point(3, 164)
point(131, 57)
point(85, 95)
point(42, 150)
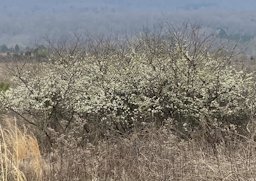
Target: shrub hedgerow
point(155, 79)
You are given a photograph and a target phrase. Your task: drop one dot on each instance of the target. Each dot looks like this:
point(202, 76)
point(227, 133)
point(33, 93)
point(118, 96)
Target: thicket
point(178, 78)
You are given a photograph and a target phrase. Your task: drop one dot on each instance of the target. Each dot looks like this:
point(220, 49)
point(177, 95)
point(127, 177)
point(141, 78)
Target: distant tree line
point(4, 48)
point(38, 51)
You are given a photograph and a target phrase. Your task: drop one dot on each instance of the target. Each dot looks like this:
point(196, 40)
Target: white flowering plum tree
point(170, 76)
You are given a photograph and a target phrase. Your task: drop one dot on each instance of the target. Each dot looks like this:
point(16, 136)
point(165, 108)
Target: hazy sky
point(36, 5)
point(25, 21)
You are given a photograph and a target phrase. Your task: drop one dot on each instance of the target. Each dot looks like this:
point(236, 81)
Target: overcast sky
point(25, 21)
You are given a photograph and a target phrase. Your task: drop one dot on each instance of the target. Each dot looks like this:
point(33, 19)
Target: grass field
point(147, 155)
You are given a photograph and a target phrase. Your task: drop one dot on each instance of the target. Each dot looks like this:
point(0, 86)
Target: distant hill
point(27, 21)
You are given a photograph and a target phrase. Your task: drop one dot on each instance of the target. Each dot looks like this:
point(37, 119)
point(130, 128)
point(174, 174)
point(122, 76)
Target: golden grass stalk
point(19, 154)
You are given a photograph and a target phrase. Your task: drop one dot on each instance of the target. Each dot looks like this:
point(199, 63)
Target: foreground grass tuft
point(20, 157)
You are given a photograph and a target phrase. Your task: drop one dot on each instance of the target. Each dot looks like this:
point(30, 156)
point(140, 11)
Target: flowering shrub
point(155, 79)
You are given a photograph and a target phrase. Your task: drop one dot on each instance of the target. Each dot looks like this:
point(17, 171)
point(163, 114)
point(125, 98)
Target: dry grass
point(146, 155)
point(4, 71)
point(20, 157)
point(154, 155)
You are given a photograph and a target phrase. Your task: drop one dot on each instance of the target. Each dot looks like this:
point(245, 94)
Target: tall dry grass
point(153, 155)
point(150, 154)
point(20, 157)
